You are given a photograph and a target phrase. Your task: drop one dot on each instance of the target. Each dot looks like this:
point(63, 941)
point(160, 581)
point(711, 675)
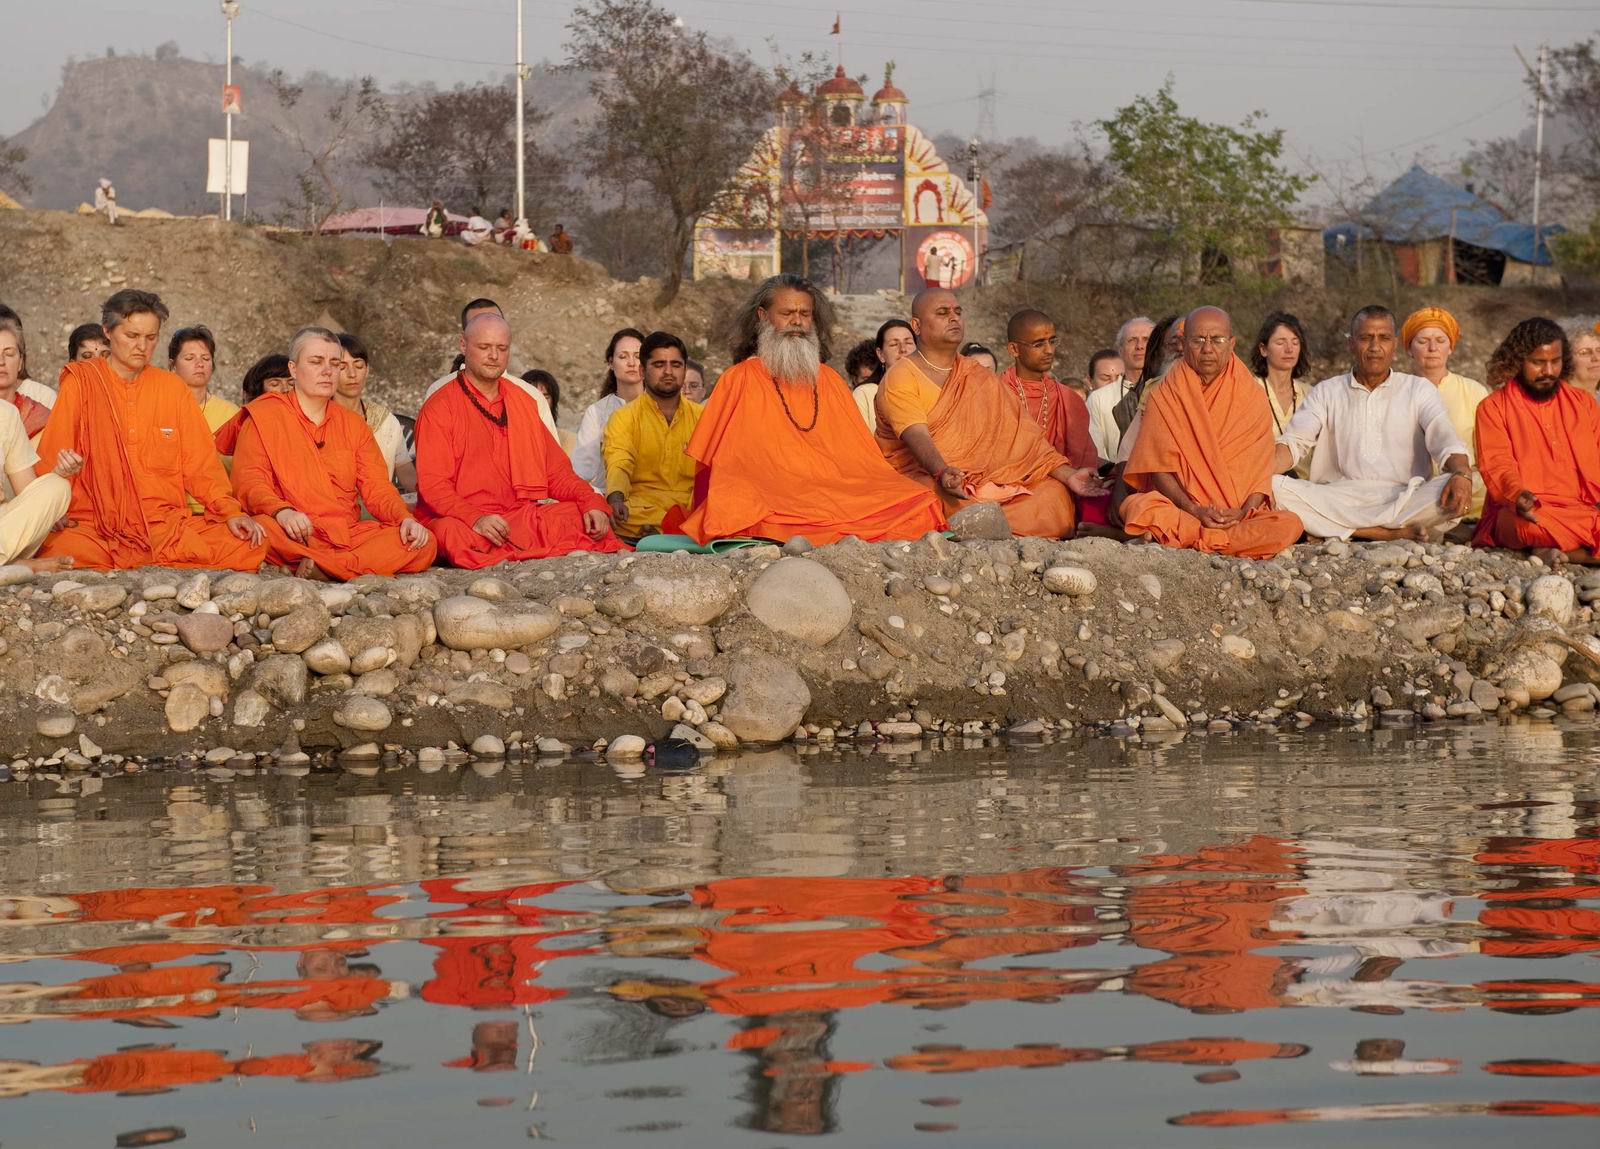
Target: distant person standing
point(433, 223)
point(933, 271)
point(105, 199)
point(560, 241)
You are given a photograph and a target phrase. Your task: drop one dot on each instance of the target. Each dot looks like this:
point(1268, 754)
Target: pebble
point(1238, 647)
point(553, 746)
point(359, 712)
point(1073, 581)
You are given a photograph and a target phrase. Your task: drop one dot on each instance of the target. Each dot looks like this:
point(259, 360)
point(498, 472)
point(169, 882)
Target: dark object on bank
point(672, 754)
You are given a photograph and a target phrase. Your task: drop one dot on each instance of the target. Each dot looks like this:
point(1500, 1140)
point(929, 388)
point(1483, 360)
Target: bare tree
point(12, 157)
point(676, 113)
point(325, 142)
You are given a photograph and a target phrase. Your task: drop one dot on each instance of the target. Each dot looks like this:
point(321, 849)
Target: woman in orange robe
point(145, 446)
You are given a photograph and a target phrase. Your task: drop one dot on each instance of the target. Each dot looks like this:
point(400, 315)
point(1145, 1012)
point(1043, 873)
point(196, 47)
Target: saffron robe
point(145, 446)
point(981, 427)
point(284, 460)
point(1218, 441)
point(1550, 448)
point(468, 466)
point(761, 476)
point(1063, 415)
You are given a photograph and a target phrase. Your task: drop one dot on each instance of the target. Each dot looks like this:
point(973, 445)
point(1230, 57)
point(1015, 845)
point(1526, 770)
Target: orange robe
point(761, 476)
point(227, 436)
point(981, 427)
point(1550, 448)
point(284, 460)
point(1064, 417)
point(145, 445)
point(466, 468)
point(1218, 442)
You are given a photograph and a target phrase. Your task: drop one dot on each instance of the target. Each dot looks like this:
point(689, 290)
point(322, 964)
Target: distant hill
point(158, 158)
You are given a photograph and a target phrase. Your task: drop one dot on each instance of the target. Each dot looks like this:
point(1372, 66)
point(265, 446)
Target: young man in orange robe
point(485, 462)
point(300, 464)
point(781, 447)
point(951, 425)
point(1201, 468)
point(1539, 451)
point(145, 446)
point(1062, 413)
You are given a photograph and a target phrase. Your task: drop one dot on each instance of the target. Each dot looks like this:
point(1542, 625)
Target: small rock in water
point(488, 746)
point(625, 746)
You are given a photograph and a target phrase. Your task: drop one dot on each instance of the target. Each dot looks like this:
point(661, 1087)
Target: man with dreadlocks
point(781, 448)
point(1539, 450)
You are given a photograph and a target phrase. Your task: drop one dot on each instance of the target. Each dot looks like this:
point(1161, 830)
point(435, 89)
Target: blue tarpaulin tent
point(1419, 206)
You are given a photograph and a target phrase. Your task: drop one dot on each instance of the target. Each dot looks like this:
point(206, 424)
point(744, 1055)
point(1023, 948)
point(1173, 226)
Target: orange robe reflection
point(495, 958)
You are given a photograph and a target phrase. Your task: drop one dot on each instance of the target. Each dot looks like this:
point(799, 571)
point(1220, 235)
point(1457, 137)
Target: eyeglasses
point(1217, 341)
point(1041, 344)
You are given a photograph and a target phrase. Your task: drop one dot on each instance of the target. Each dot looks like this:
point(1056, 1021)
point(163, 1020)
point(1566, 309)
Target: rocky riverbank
point(889, 641)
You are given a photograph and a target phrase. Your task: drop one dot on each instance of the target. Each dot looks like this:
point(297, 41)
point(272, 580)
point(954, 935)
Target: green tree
point(1209, 191)
point(677, 113)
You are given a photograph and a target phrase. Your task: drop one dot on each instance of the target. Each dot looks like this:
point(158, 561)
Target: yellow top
point(215, 411)
point(1461, 397)
point(1280, 418)
point(645, 460)
point(866, 396)
point(906, 397)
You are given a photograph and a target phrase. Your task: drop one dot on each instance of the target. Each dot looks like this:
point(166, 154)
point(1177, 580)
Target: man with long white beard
point(781, 448)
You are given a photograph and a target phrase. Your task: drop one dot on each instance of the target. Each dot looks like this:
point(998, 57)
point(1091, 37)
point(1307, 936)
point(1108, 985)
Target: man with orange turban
point(1430, 336)
point(950, 424)
point(1201, 466)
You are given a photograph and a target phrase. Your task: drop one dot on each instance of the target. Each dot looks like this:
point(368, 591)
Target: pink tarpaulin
point(388, 221)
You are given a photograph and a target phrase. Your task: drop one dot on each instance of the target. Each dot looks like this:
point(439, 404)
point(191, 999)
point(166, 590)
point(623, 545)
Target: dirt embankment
point(889, 640)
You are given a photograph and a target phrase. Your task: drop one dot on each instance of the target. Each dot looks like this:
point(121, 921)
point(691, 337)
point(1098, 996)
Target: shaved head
point(936, 319)
point(484, 322)
point(1208, 341)
point(926, 300)
point(1214, 313)
point(1024, 321)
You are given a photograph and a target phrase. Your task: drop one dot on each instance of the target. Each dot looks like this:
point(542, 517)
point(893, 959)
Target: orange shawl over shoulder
point(107, 472)
point(979, 426)
point(1217, 440)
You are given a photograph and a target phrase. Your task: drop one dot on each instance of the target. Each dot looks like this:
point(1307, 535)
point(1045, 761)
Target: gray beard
point(789, 359)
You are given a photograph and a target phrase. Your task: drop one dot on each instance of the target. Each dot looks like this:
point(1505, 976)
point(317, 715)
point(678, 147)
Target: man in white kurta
point(1378, 435)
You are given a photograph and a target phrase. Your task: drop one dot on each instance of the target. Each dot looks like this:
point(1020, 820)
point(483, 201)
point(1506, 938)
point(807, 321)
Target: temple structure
point(836, 166)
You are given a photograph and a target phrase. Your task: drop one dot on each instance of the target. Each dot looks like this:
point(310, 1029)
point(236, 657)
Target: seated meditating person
point(303, 462)
point(87, 341)
point(547, 385)
point(1062, 413)
point(492, 482)
point(191, 356)
point(470, 312)
point(1201, 468)
point(350, 392)
point(29, 386)
point(623, 382)
point(13, 370)
point(145, 447)
point(647, 473)
point(1539, 450)
point(268, 375)
point(32, 504)
point(781, 448)
point(1430, 336)
point(1378, 436)
point(950, 424)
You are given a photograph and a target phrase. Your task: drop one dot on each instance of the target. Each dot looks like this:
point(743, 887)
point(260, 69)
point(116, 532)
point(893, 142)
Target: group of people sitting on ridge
point(128, 464)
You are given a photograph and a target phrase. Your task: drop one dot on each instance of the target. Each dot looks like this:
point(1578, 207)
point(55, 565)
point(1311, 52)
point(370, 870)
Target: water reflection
point(1298, 919)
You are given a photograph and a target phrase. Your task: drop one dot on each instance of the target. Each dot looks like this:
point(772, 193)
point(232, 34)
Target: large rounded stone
point(361, 712)
point(802, 600)
point(328, 657)
point(362, 634)
point(250, 709)
point(691, 595)
point(1552, 597)
point(237, 593)
point(187, 707)
point(1540, 676)
point(204, 633)
point(766, 699)
point(301, 628)
point(977, 521)
point(467, 623)
point(97, 599)
point(1073, 581)
point(279, 596)
point(281, 680)
point(208, 676)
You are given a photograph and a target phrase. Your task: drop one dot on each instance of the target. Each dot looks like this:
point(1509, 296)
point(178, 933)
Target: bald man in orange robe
point(1201, 468)
point(948, 423)
point(486, 463)
point(781, 447)
point(145, 446)
point(1539, 451)
point(300, 464)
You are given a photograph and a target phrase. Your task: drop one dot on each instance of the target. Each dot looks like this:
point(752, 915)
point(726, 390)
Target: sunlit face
point(487, 346)
point(92, 349)
point(1208, 343)
point(1586, 361)
point(898, 342)
point(133, 342)
point(1282, 349)
point(791, 312)
point(316, 372)
point(1373, 345)
point(279, 385)
point(193, 365)
point(940, 320)
point(1034, 349)
point(663, 372)
point(694, 385)
point(1541, 370)
point(10, 361)
point(1134, 343)
point(352, 377)
point(624, 360)
point(1107, 372)
point(1430, 349)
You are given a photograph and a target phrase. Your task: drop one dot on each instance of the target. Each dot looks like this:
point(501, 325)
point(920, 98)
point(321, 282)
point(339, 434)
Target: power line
point(1434, 5)
point(257, 11)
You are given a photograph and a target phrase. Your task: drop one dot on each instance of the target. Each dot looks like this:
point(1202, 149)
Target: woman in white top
point(1280, 358)
point(624, 381)
point(1585, 343)
point(349, 392)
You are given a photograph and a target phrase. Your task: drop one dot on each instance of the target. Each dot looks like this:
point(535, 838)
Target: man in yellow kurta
point(1430, 336)
point(648, 476)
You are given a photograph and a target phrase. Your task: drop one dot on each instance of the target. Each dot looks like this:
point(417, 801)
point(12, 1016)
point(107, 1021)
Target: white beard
point(788, 358)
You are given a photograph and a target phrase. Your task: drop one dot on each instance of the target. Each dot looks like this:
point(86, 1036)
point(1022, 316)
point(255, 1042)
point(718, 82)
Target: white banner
point(215, 165)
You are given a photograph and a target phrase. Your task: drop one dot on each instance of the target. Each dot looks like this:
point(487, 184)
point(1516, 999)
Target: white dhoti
point(1339, 509)
point(27, 519)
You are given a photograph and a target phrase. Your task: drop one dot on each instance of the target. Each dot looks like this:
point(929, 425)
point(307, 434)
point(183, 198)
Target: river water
point(1254, 940)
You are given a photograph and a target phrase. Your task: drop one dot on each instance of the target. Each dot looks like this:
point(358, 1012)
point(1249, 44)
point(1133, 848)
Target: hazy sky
point(1385, 80)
